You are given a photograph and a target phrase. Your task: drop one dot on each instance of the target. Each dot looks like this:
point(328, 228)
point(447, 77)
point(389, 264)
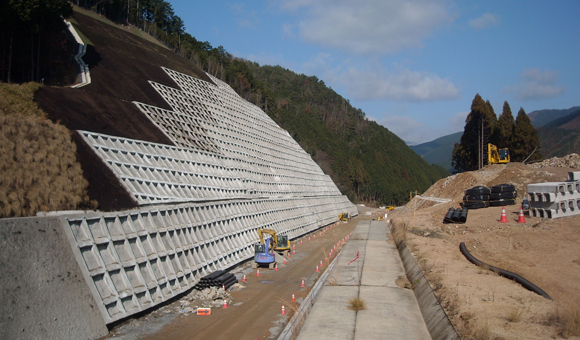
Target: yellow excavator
point(344, 217)
point(497, 156)
point(281, 242)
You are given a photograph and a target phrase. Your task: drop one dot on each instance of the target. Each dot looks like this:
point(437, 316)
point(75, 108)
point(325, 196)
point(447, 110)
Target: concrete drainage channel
point(293, 327)
point(435, 317)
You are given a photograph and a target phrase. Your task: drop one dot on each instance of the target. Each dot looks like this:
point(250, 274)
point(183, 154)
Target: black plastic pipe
point(455, 216)
point(507, 274)
point(449, 215)
point(463, 215)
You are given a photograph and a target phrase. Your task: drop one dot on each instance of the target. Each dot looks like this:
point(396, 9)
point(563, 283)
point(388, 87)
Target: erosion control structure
point(199, 204)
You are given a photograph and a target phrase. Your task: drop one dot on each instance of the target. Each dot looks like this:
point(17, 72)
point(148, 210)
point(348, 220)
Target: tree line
point(482, 126)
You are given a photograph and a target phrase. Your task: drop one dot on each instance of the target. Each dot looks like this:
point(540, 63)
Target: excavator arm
point(269, 232)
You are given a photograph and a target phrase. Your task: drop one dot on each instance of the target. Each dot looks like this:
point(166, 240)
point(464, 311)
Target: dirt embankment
point(481, 304)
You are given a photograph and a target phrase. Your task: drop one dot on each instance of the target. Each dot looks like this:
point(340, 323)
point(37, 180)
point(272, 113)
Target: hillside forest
point(366, 161)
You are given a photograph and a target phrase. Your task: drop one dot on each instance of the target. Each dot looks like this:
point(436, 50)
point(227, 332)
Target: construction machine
point(264, 253)
point(281, 243)
point(344, 216)
point(497, 156)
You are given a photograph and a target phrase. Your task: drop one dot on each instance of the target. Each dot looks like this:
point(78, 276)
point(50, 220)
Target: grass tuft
point(356, 304)
point(515, 314)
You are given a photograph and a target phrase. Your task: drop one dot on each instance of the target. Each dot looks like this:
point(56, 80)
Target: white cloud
point(370, 26)
point(246, 18)
point(404, 85)
point(485, 21)
point(410, 129)
point(457, 121)
point(536, 84)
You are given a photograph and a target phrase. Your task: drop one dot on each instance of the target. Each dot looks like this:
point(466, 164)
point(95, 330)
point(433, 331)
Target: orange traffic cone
point(503, 218)
point(321, 263)
point(283, 310)
point(244, 278)
point(521, 219)
point(284, 260)
point(326, 259)
point(308, 238)
point(293, 298)
point(317, 269)
point(302, 285)
point(276, 267)
point(300, 241)
point(294, 252)
point(225, 304)
point(224, 287)
point(258, 272)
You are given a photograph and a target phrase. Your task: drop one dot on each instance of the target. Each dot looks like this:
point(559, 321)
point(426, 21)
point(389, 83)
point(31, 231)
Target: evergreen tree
point(525, 139)
point(505, 127)
point(471, 153)
point(494, 136)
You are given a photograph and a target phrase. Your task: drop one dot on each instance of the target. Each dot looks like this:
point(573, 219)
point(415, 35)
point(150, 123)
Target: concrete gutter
point(435, 317)
point(391, 312)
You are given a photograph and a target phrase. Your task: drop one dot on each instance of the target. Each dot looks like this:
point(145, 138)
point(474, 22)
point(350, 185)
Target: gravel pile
point(570, 161)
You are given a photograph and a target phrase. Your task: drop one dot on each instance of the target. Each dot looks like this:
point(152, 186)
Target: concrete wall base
point(43, 294)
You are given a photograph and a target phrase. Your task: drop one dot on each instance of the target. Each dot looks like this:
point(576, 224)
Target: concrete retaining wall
point(43, 293)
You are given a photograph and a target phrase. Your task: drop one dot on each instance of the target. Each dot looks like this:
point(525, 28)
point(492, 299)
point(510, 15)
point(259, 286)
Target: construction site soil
point(480, 303)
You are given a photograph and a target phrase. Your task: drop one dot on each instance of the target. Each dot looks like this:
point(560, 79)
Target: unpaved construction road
point(255, 312)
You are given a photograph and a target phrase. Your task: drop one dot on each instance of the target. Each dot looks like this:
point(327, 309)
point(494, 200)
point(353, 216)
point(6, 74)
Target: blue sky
point(412, 66)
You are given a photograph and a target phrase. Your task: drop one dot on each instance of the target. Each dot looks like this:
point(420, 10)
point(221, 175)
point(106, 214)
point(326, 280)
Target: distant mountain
point(439, 150)
point(561, 136)
point(540, 118)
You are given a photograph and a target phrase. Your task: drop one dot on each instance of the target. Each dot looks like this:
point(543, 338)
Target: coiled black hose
point(507, 274)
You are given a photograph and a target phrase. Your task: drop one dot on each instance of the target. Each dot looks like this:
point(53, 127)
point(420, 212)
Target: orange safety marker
point(244, 278)
point(284, 260)
point(294, 252)
point(320, 263)
point(317, 269)
point(225, 304)
point(302, 285)
point(276, 267)
point(300, 241)
point(293, 298)
point(224, 287)
point(503, 218)
point(204, 311)
point(308, 238)
point(258, 272)
point(283, 310)
point(521, 218)
point(326, 259)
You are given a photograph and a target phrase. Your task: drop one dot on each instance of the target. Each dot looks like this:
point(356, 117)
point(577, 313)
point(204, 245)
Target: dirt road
point(256, 310)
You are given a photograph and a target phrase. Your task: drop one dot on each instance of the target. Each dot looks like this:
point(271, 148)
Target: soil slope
point(481, 304)
point(121, 66)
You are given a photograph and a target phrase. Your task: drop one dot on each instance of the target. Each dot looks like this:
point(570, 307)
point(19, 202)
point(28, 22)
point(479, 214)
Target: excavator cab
point(497, 156)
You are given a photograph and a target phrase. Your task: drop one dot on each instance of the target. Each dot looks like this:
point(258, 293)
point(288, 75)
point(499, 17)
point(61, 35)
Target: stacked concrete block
point(555, 199)
point(133, 260)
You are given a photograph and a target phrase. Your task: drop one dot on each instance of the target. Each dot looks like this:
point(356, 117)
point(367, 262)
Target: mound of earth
point(481, 304)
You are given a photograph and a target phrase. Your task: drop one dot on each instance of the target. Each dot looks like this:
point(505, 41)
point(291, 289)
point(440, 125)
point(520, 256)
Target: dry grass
point(399, 230)
point(567, 323)
point(515, 314)
point(482, 331)
point(37, 158)
point(356, 304)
